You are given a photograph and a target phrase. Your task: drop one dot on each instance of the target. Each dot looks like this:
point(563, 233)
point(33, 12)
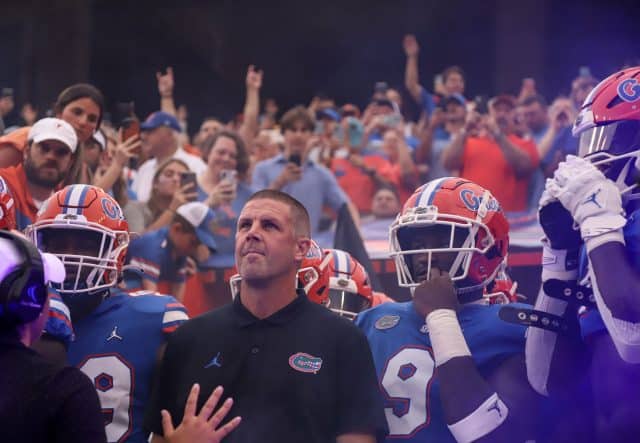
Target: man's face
point(185, 241)
point(433, 237)
point(266, 243)
point(385, 204)
point(209, 128)
point(64, 242)
point(47, 163)
point(535, 116)
point(6, 105)
point(297, 138)
point(155, 140)
point(455, 113)
point(454, 84)
point(503, 114)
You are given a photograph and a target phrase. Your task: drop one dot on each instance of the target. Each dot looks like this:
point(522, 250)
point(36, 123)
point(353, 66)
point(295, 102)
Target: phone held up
point(188, 180)
point(296, 159)
point(228, 175)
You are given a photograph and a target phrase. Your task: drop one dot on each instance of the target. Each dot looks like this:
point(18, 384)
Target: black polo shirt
point(303, 374)
point(44, 402)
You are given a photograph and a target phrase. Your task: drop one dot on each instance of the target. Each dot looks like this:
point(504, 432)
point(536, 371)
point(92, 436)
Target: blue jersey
point(406, 369)
point(152, 254)
point(591, 321)
point(116, 346)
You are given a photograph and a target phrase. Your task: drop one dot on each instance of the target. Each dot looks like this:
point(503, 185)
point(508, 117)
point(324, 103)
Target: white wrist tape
point(489, 415)
point(555, 265)
point(613, 236)
point(541, 344)
point(446, 336)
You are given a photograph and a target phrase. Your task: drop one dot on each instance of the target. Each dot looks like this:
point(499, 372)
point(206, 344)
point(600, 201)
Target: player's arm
point(596, 206)
point(474, 408)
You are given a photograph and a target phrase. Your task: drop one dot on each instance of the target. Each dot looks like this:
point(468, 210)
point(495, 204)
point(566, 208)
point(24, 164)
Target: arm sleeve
point(144, 258)
point(58, 324)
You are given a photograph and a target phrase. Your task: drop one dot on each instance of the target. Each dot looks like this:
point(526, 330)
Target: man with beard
point(52, 144)
point(487, 152)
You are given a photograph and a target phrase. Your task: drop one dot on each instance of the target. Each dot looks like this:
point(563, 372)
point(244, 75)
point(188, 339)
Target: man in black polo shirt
point(296, 371)
point(39, 401)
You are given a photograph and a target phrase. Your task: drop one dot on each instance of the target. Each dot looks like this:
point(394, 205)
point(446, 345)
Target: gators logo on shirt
point(305, 363)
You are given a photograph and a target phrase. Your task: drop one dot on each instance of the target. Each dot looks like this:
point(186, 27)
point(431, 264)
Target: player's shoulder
point(149, 301)
point(391, 312)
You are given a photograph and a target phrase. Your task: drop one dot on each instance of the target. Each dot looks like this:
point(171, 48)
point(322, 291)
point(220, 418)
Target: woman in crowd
point(223, 187)
point(167, 195)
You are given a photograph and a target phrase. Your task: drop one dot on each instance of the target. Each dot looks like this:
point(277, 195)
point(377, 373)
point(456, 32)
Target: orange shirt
point(484, 163)
point(356, 184)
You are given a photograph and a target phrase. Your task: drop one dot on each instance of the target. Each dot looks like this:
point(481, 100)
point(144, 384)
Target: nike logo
point(215, 361)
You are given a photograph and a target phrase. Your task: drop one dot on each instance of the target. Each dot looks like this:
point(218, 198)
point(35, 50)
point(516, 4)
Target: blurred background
point(340, 48)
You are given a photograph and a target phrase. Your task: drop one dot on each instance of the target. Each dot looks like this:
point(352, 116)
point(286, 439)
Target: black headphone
point(23, 292)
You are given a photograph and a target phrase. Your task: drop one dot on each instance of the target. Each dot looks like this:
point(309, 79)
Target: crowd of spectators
point(328, 155)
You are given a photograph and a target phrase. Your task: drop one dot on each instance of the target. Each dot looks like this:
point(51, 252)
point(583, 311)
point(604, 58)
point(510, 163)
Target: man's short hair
point(298, 114)
point(299, 213)
point(536, 98)
point(452, 70)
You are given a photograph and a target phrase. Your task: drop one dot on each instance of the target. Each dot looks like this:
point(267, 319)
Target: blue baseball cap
point(160, 118)
point(328, 113)
point(202, 218)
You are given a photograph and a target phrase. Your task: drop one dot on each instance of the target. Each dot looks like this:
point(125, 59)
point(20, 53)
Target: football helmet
point(310, 278)
point(470, 235)
point(337, 281)
point(85, 227)
point(7, 209)
point(608, 126)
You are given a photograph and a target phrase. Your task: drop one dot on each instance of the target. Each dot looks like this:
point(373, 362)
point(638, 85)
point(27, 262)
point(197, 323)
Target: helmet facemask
point(96, 265)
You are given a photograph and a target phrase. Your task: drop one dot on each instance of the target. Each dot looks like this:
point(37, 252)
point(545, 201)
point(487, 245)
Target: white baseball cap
point(54, 129)
point(54, 271)
point(201, 217)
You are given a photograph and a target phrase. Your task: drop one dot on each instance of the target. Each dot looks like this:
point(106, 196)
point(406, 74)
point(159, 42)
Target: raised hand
point(254, 78)
point(410, 45)
point(165, 82)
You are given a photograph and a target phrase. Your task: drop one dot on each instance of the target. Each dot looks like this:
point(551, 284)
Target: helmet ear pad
point(23, 292)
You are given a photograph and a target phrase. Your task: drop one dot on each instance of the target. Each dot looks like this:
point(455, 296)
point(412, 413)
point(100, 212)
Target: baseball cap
point(54, 271)
point(201, 217)
point(160, 118)
point(328, 113)
point(503, 98)
point(453, 98)
point(54, 129)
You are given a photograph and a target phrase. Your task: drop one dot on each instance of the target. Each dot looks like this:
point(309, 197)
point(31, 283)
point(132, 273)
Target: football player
point(450, 369)
point(589, 212)
point(118, 337)
point(337, 281)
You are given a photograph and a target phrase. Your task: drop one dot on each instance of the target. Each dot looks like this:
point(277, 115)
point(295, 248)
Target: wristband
point(446, 336)
point(489, 415)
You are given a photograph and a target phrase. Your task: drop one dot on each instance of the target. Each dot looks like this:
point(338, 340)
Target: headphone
point(23, 292)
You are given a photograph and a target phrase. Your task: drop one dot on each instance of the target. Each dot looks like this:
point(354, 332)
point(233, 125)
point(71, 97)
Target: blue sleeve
point(334, 196)
point(58, 323)
point(428, 105)
point(144, 256)
point(260, 179)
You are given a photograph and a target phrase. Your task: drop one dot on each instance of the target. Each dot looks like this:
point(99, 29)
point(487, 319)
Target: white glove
point(593, 200)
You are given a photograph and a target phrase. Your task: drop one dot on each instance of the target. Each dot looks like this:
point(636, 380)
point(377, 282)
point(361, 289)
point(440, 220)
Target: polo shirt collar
point(245, 318)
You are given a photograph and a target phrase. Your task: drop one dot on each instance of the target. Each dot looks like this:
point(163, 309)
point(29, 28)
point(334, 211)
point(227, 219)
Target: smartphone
point(295, 159)
point(130, 128)
point(228, 175)
point(188, 178)
point(381, 87)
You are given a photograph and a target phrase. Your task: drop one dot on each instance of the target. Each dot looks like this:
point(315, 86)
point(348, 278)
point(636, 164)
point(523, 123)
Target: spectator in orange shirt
point(487, 152)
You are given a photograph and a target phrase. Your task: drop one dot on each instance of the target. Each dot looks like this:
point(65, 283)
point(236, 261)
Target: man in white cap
point(167, 255)
point(40, 401)
point(52, 145)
